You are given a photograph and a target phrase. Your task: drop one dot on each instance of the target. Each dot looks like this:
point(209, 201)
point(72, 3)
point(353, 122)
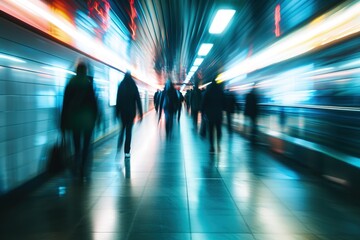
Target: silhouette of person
point(169, 102)
point(157, 99)
point(127, 100)
point(187, 100)
point(195, 103)
point(180, 101)
point(79, 115)
point(213, 104)
point(251, 111)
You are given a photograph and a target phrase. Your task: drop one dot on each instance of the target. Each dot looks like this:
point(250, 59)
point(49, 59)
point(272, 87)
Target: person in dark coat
point(195, 103)
point(251, 111)
point(169, 102)
point(79, 115)
point(127, 100)
point(213, 104)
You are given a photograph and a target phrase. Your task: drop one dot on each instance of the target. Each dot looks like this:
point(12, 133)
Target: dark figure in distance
point(180, 101)
point(187, 100)
point(127, 100)
point(251, 111)
point(169, 103)
point(157, 99)
point(79, 115)
point(195, 103)
point(230, 104)
point(213, 104)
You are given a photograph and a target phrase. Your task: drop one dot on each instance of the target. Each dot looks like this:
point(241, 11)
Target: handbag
point(59, 156)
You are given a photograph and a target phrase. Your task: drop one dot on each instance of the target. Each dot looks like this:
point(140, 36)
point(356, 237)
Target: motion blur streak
point(39, 15)
point(334, 25)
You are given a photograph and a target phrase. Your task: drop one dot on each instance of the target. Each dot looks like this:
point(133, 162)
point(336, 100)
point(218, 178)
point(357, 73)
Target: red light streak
point(277, 20)
point(99, 9)
point(133, 15)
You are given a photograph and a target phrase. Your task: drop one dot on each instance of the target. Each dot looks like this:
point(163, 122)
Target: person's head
point(81, 69)
point(168, 84)
point(127, 76)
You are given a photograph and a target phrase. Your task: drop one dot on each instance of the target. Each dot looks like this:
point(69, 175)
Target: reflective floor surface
point(175, 189)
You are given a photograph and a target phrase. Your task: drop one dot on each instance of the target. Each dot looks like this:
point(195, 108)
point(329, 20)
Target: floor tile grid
point(189, 151)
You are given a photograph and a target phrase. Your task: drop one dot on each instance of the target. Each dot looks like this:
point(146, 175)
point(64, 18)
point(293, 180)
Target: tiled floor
point(176, 190)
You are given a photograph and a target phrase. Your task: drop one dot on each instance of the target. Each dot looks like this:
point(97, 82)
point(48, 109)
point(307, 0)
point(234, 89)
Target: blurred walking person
point(79, 115)
point(195, 103)
point(180, 101)
point(187, 100)
point(169, 103)
point(213, 104)
point(157, 99)
point(251, 111)
point(127, 100)
point(230, 105)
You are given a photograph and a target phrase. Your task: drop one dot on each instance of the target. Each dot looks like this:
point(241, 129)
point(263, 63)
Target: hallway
point(176, 190)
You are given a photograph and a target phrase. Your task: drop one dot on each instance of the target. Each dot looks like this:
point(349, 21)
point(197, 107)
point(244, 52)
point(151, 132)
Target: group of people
point(170, 102)
point(210, 103)
point(80, 112)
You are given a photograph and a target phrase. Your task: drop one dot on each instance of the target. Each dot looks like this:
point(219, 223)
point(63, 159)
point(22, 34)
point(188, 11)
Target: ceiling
point(168, 34)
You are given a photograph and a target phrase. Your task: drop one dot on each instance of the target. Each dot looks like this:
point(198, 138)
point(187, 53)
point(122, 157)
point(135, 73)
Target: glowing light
point(334, 25)
point(133, 15)
point(99, 10)
point(198, 61)
point(57, 69)
point(11, 58)
point(277, 20)
point(205, 49)
point(221, 20)
point(41, 16)
point(194, 68)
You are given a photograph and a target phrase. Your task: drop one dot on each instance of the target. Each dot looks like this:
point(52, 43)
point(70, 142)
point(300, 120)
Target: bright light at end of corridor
point(221, 20)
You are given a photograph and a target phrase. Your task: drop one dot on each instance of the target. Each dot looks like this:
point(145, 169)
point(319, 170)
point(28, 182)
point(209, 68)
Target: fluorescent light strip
point(194, 69)
point(198, 61)
point(11, 58)
point(205, 49)
point(221, 20)
point(339, 23)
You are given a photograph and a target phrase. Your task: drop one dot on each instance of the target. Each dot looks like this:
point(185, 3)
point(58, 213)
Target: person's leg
point(229, 122)
point(211, 135)
point(218, 134)
point(121, 137)
point(128, 136)
point(169, 124)
point(86, 159)
point(195, 118)
point(77, 155)
point(253, 129)
point(179, 112)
